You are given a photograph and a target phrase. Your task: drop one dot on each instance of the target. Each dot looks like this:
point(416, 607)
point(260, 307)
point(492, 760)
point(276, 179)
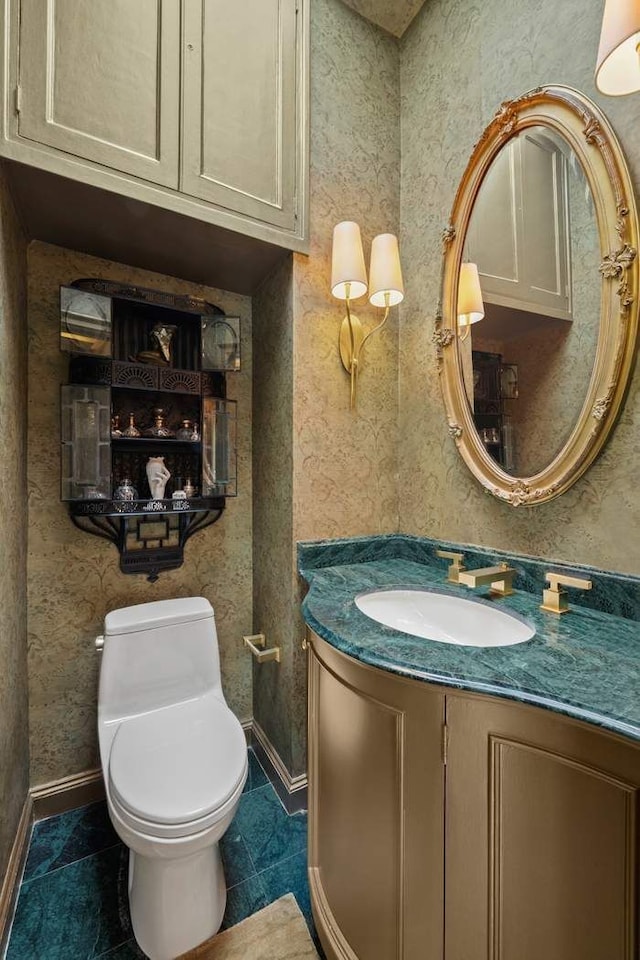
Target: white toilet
point(174, 759)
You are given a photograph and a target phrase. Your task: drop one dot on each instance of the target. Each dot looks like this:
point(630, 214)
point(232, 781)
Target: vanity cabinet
point(199, 107)
point(519, 229)
point(461, 827)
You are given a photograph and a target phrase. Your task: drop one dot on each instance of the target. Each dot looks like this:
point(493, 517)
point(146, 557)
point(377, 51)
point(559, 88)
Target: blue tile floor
point(73, 898)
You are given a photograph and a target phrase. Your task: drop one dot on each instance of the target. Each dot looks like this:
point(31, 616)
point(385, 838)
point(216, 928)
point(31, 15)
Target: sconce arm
point(354, 355)
point(375, 330)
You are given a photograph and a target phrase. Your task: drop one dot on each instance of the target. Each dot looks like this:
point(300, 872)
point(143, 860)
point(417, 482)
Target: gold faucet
point(456, 567)
point(500, 578)
point(554, 600)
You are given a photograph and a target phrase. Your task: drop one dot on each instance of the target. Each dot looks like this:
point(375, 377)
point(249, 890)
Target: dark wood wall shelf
point(108, 328)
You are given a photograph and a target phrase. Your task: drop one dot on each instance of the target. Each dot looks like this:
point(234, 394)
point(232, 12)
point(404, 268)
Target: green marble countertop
point(584, 664)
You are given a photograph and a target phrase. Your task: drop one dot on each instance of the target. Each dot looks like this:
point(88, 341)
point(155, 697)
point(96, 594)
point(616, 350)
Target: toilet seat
point(177, 770)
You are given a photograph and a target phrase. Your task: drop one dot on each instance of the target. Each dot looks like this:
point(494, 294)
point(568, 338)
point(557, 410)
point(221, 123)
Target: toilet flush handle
point(99, 644)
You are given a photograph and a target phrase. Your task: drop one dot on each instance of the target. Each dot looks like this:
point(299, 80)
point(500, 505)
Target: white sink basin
point(445, 618)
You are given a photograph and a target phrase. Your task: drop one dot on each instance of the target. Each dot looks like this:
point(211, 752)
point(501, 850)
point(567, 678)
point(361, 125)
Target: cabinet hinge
point(295, 206)
point(445, 743)
point(17, 98)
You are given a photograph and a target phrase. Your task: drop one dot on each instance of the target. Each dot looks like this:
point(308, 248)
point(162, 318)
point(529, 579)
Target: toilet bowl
point(174, 760)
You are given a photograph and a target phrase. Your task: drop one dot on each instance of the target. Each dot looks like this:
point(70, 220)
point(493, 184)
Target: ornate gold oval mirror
point(537, 332)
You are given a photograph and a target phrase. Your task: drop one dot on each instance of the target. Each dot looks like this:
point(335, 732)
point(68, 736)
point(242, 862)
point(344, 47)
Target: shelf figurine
point(157, 475)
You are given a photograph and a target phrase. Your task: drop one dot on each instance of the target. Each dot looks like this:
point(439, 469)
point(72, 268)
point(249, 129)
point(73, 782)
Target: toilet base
point(178, 903)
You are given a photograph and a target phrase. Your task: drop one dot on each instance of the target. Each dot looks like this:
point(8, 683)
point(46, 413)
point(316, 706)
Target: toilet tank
point(156, 654)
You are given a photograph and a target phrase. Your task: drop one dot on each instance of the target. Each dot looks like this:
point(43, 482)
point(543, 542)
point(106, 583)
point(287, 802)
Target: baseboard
point(58, 796)
point(291, 790)
point(13, 876)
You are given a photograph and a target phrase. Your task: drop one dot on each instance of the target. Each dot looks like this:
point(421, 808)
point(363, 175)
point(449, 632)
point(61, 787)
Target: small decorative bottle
point(159, 429)
point(131, 431)
point(189, 488)
point(186, 431)
point(195, 433)
point(125, 491)
point(116, 430)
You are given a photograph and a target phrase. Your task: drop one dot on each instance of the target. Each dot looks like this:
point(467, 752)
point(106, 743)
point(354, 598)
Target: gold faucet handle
point(499, 579)
point(456, 568)
point(554, 598)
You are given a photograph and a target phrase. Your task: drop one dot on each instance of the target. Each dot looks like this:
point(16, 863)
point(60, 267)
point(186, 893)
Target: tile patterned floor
point(73, 899)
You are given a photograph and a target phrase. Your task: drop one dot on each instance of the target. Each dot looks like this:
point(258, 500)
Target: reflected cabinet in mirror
point(537, 331)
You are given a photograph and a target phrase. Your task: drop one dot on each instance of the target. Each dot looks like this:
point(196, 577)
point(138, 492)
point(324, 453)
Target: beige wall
point(459, 61)
point(341, 466)
point(74, 578)
point(274, 612)
point(14, 742)
point(344, 462)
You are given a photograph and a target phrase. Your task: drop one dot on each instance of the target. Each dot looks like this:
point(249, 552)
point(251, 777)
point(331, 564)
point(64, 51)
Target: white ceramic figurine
point(157, 475)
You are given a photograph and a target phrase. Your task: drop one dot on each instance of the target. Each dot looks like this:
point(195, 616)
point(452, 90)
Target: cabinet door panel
point(541, 846)
point(495, 228)
point(375, 811)
point(545, 222)
point(519, 229)
point(101, 81)
point(239, 107)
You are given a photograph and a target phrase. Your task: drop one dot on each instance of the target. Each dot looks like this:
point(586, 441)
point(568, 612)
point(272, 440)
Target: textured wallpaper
point(14, 727)
point(321, 470)
point(74, 578)
point(393, 15)
point(344, 462)
point(459, 60)
point(274, 612)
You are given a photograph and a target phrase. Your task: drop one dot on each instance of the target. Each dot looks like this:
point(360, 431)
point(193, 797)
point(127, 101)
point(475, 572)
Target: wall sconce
point(618, 64)
point(349, 282)
point(470, 303)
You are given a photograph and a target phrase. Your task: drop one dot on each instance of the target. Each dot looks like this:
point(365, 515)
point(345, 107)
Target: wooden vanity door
point(541, 836)
point(376, 816)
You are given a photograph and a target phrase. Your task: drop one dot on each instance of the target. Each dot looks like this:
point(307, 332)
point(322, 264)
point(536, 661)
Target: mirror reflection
point(529, 314)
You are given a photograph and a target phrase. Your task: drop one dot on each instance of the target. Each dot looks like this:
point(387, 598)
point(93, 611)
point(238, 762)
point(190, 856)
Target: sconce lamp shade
point(618, 65)
point(385, 274)
point(348, 272)
point(470, 304)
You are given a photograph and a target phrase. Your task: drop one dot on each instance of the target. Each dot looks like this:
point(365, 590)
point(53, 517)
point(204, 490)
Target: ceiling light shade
point(385, 274)
point(618, 64)
point(470, 304)
point(348, 272)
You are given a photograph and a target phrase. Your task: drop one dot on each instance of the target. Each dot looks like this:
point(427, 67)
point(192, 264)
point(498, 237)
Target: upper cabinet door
point(101, 81)
point(240, 147)
point(519, 229)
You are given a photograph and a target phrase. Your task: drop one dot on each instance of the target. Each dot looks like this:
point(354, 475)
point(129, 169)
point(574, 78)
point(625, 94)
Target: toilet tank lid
point(161, 613)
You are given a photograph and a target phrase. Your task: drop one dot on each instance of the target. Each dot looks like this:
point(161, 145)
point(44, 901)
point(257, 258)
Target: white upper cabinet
point(519, 229)
point(239, 106)
point(197, 106)
point(101, 81)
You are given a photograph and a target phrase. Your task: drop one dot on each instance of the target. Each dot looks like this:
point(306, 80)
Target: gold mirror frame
point(589, 134)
